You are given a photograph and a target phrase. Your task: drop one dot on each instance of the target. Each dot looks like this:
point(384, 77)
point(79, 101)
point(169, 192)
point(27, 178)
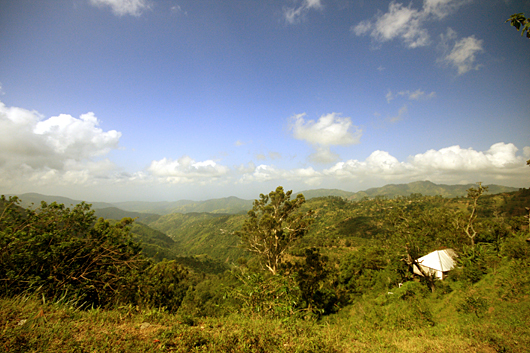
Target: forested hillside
point(343, 277)
point(203, 233)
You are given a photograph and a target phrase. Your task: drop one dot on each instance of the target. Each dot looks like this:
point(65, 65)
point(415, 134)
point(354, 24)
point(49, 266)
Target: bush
point(164, 285)
point(516, 247)
point(273, 296)
point(62, 252)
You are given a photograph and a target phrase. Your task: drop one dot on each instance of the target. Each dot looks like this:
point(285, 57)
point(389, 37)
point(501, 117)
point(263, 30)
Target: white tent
point(438, 262)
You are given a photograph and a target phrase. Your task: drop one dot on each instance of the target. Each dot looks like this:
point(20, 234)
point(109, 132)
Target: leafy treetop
point(273, 226)
point(520, 22)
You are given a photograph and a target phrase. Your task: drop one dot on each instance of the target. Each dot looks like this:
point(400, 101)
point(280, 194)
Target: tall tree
point(467, 223)
point(273, 225)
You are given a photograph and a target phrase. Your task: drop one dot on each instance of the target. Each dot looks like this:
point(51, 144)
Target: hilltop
point(235, 205)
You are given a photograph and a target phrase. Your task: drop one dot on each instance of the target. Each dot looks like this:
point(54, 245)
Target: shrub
point(59, 252)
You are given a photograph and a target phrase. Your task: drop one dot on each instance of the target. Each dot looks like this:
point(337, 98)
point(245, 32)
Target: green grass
point(60, 327)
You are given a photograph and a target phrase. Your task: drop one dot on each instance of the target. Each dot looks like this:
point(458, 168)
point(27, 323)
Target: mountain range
point(234, 205)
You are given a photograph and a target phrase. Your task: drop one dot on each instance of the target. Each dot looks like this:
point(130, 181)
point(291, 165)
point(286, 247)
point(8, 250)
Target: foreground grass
point(30, 325)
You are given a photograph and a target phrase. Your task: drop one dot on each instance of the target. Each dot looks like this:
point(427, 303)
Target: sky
point(163, 100)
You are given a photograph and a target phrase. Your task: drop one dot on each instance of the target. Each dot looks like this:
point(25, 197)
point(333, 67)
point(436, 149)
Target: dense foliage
point(61, 252)
point(352, 269)
point(273, 225)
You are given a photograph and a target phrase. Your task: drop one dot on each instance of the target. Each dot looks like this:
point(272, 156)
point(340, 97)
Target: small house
point(437, 263)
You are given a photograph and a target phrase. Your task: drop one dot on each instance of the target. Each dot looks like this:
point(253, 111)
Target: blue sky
point(115, 100)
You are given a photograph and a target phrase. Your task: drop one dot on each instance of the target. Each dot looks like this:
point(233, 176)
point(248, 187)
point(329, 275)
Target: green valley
point(182, 281)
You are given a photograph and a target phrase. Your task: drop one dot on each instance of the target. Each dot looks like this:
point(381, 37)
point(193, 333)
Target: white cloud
point(415, 95)
point(379, 164)
point(124, 7)
point(442, 8)
point(187, 170)
point(67, 155)
point(399, 22)
point(330, 129)
point(405, 22)
point(451, 164)
point(29, 143)
point(456, 159)
point(264, 173)
point(295, 14)
point(401, 113)
point(460, 53)
point(419, 94)
point(77, 138)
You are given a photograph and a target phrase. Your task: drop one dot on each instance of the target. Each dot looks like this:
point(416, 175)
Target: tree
point(273, 225)
point(468, 224)
point(60, 251)
point(520, 22)
point(311, 276)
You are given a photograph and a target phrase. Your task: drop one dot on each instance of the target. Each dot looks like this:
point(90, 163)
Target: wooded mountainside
point(352, 268)
point(233, 205)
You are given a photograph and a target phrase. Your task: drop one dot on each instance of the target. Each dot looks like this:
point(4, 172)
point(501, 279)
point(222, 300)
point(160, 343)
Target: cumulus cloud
point(405, 22)
point(330, 129)
point(54, 154)
point(29, 143)
point(124, 7)
point(457, 159)
point(451, 164)
point(264, 173)
point(460, 53)
point(295, 14)
point(187, 170)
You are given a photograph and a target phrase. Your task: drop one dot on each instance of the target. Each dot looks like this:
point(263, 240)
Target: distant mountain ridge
point(226, 205)
point(426, 188)
point(235, 205)
point(32, 198)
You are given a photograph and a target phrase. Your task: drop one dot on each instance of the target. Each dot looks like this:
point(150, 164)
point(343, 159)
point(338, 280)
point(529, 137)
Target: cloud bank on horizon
point(39, 152)
point(237, 99)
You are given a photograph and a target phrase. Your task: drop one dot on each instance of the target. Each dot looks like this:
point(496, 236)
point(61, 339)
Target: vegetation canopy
point(273, 225)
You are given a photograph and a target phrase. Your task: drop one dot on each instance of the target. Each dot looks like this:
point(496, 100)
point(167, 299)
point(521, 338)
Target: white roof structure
point(438, 262)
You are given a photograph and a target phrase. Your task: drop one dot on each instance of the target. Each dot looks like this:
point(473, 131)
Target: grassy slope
point(380, 325)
